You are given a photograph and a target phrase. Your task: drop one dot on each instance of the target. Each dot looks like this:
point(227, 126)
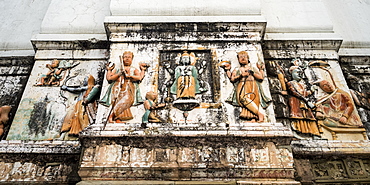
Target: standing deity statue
point(186, 83)
point(123, 91)
point(83, 112)
point(303, 120)
point(246, 93)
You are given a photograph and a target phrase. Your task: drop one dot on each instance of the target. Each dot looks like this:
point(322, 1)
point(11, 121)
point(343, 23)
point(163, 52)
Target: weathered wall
point(74, 30)
point(28, 162)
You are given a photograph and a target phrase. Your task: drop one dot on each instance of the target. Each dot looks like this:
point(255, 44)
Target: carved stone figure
point(186, 83)
point(300, 108)
point(246, 90)
point(150, 107)
point(83, 112)
point(54, 76)
point(123, 91)
point(4, 117)
point(336, 108)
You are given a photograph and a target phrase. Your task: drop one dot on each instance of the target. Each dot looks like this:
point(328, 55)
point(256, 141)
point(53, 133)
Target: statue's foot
point(119, 121)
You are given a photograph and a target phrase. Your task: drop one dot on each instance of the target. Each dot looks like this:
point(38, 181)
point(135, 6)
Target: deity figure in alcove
point(186, 84)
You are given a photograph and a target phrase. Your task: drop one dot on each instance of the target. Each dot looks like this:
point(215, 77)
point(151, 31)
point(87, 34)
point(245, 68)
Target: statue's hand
point(226, 66)
point(143, 66)
point(109, 66)
point(320, 115)
point(261, 67)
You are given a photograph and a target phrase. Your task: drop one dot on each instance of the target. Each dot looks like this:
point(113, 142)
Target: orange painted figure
point(150, 106)
point(123, 91)
point(246, 93)
point(336, 109)
point(303, 120)
point(53, 77)
point(83, 112)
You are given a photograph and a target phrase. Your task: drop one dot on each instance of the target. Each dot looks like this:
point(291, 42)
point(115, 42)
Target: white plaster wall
point(296, 16)
point(20, 19)
point(75, 17)
point(351, 20)
point(185, 8)
point(23, 18)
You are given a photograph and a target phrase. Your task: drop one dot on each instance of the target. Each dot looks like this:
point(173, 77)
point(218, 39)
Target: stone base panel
point(39, 162)
point(170, 157)
point(226, 182)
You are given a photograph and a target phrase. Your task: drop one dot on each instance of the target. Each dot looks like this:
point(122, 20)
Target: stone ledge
point(193, 174)
point(17, 53)
point(226, 182)
point(165, 130)
point(90, 54)
point(69, 41)
point(48, 147)
point(325, 147)
point(184, 28)
point(182, 19)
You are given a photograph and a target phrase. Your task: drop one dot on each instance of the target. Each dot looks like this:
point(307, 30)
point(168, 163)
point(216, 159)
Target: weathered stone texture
point(39, 162)
point(185, 158)
point(331, 161)
point(357, 74)
point(14, 73)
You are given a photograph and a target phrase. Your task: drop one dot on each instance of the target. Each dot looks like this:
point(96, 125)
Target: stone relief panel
point(187, 86)
point(345, 170)
point(319, 101)
point(61, 104)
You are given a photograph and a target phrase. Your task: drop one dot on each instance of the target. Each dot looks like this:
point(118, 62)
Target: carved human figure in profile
point(150, 115)
point(186, 84)
point(246, 93)
point(336, 109)
point(123, 91)
point(83, 112)
point(54, 76)
point(303, 119)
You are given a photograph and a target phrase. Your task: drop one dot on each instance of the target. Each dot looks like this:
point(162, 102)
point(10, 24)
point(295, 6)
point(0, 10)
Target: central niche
point(188, 80)
point(179, 63)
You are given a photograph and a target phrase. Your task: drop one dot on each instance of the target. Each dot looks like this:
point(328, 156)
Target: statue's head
point(243, 57)
point(185, 59)
point(127, 58)
point(326, 86)
point(55, 63)
point(151, 95)
point(296, 72)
